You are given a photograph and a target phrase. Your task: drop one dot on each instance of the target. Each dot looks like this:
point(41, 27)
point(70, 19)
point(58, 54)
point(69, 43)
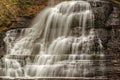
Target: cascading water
point(61, 43)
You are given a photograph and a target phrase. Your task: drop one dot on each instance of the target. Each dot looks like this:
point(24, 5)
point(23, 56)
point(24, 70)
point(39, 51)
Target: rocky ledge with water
point(107, 22)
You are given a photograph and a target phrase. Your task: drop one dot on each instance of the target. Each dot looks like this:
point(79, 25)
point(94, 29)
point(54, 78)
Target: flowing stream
point(60, 43)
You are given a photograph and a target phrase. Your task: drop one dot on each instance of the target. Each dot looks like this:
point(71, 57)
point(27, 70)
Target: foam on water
point(60, 43)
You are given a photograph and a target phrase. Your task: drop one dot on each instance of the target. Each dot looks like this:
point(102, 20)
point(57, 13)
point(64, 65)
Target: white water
point(60, 43)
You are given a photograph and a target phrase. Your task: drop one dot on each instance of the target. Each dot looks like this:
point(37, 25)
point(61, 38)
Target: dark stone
point(114, 18)
point(2, 44)
point(23, 21)
point(102, 10)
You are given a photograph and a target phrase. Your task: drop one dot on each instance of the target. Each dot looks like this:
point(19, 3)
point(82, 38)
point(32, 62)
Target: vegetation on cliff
point(12, 10)
point(116, 2)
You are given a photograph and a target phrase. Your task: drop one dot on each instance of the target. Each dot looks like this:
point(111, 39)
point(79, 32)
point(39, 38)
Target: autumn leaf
point(7, 6)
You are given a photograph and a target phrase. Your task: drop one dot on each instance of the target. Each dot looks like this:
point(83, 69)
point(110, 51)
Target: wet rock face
point(114, 18)
point(107, 28)
point(22, 21)
point(111, 43)
point(104, 13)
point(2, 44)
point(101, 10)
point(110, 36)
point(113, 50)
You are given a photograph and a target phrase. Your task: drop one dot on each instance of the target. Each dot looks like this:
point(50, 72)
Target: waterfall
point(61, 42)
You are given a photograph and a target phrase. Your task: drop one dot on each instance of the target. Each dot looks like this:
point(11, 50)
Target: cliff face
point(107, 25)
point(110, 36)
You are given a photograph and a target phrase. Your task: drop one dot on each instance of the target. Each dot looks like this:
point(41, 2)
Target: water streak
point(60, 43)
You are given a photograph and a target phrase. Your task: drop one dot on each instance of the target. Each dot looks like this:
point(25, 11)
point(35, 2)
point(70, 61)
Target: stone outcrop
point(110, 36)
